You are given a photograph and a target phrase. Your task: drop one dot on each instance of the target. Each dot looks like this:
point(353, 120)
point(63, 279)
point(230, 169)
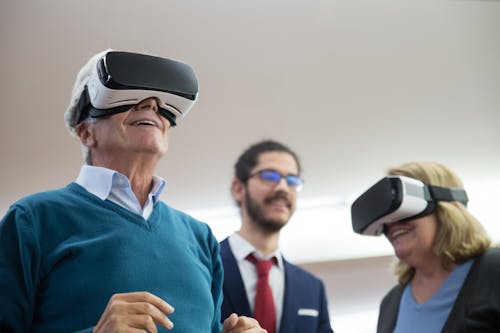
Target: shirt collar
point(242, 248)
point(100, 181)
point(157, 188)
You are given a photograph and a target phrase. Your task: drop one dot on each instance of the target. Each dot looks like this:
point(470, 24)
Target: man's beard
point(256, 213)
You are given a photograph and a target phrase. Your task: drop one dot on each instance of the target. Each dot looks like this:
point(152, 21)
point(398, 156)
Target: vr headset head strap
point(83, 106)
point(439, 193)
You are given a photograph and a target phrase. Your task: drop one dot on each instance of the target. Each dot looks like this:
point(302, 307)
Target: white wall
point(355, 289)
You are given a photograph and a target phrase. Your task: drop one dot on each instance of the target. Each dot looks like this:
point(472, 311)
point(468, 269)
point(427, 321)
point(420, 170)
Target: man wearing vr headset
point(283, 297)
point(449, 277)
point(104, 254)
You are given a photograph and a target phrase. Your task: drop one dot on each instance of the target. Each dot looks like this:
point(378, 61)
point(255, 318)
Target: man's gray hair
point(73, 114)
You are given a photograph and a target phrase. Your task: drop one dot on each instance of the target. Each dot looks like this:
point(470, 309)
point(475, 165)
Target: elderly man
point(104, 254)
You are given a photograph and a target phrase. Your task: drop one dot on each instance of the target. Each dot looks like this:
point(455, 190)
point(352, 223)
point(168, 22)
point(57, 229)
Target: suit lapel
point(234, 290)
point(290, 306)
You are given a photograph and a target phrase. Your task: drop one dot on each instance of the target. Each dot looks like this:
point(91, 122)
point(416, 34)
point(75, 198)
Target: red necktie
point(264, 311)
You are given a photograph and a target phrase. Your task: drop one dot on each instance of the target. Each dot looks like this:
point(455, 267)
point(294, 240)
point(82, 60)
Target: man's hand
point(137, 310)
point(241, 324)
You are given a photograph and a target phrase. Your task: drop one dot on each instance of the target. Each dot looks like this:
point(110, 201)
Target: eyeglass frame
point(290, 184)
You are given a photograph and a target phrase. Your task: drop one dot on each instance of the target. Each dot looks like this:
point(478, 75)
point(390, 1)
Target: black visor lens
point(125, 70)
point(97, 113)
point(381, 199)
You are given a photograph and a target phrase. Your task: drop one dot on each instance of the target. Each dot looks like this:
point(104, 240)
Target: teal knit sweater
point(64, 253)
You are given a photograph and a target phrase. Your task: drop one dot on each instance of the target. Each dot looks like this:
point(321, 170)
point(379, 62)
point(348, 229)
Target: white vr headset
point(395, 199)
point(122, 79)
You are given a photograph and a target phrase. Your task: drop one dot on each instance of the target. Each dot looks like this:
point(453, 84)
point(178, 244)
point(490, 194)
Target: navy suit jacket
point(304, 297)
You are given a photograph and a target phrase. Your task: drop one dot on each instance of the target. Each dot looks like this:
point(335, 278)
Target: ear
point(238, 190)
point(85, 133)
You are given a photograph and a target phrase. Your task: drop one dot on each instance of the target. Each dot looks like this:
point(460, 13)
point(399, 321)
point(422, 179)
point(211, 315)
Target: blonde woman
point(448, 274)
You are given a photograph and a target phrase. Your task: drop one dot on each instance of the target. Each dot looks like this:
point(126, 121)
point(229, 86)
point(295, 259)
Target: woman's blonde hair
point(460, 235)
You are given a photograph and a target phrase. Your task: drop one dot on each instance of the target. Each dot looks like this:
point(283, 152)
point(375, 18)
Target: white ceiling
point(353, 86)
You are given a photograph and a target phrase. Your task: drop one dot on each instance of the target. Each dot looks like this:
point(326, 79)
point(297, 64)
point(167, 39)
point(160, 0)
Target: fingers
point(231, 321)
point(130, 323)
point(144, 296)
point(141, 310)
point(241, 324)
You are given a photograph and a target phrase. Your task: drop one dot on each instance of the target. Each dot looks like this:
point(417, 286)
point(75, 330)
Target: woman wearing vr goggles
point(449, 277)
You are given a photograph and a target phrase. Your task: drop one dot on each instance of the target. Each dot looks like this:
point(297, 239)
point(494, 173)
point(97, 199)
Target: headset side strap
point(448, 194)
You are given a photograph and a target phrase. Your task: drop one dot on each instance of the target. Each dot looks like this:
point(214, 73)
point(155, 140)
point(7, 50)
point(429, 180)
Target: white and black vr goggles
point(123, 79)
point(395, 199)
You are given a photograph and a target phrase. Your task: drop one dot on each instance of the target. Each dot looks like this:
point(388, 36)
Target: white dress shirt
point(241, 248)
point(114, 186)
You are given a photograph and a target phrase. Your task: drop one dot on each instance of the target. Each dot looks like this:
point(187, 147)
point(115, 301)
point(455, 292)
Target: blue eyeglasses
point(274, 177)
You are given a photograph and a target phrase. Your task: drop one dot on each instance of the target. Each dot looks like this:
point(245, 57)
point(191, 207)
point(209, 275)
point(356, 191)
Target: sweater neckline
point(133, 217)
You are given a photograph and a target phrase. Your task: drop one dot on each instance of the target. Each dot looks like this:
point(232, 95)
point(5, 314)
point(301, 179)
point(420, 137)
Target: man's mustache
point(281, 196)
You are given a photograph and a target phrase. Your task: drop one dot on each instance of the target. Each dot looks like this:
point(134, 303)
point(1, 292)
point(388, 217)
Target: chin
point(402, 253)
point(277, 225)
point(162, 151)
point(280, 219)
point(156, 148)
